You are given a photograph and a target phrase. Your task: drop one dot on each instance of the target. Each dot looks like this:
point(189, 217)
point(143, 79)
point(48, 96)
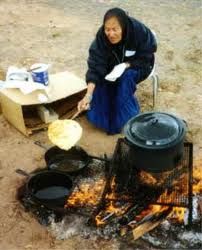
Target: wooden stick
point(75, 115)
point(150, 224)
point(108, 216)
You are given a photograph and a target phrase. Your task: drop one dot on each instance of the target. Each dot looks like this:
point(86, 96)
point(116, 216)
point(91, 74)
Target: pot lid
point(153, 129)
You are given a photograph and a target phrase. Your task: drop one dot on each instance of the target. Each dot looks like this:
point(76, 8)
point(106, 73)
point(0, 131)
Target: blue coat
point(138, 41)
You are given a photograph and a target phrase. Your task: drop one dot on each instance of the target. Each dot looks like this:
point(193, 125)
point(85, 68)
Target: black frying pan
point(48, 188)
point(69, 161)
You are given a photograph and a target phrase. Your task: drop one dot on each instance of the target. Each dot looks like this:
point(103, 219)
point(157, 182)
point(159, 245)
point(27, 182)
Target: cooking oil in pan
point(53, 192)
point(68, 165)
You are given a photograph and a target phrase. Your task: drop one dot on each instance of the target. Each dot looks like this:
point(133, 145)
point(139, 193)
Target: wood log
point(135, 230)
point(152, 222)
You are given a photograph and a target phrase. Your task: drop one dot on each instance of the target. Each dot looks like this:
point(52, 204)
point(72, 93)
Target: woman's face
point(113, 30)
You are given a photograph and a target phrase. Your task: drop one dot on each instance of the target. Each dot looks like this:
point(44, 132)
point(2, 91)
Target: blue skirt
point(113, 104)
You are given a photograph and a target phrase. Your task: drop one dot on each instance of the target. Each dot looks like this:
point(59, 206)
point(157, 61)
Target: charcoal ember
point(147, 178)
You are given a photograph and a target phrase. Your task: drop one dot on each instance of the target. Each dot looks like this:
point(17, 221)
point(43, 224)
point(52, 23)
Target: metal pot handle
point(153, 121)
point(53, 166)
point(105, 159)
point(185, 122)
point(22, 172)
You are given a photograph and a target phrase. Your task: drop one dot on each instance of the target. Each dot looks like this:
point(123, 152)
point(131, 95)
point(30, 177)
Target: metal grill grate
point(174, 187)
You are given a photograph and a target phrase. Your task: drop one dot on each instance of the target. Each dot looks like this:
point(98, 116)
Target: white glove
point(116, 72)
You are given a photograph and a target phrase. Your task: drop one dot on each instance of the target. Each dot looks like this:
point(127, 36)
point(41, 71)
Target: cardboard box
point(64, 90)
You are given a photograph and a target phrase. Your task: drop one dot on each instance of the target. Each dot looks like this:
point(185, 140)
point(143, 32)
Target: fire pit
point(129, 191)
point(120, 199)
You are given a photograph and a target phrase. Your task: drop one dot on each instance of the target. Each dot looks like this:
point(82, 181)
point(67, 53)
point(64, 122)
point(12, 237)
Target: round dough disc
point(64, 133)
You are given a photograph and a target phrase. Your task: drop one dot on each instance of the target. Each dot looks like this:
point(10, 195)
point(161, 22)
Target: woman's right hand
point(84, 104)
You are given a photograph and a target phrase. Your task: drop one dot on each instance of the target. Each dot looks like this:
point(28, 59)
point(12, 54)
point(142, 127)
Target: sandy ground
point(59, 32)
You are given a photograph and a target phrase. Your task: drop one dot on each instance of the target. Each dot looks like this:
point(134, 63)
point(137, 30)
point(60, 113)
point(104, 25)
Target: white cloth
point(129, 53)
point(25, 87)
point(116, 72)
point(18, 74)
point(20, 79)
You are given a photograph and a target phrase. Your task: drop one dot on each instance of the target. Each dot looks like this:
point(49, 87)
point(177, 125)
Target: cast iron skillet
point(48, 188)
point(69, 161)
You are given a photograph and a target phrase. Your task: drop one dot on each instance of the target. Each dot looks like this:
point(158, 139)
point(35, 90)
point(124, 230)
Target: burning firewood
point(150, 221)
point(153, 222)
point(147, 178)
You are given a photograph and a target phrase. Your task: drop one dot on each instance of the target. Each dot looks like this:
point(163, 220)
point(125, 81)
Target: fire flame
point(89, 194)
point(197, 176)
point(112, 207)
point(178, 213)
point(86, 194)
point(150, 210)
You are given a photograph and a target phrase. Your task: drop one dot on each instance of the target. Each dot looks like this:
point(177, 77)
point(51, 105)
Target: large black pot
point(156, 141)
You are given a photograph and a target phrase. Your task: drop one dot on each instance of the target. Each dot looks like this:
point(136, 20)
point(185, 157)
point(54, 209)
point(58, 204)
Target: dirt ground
point(59, 32)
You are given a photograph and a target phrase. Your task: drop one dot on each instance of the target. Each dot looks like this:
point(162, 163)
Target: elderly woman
point(121, 56)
